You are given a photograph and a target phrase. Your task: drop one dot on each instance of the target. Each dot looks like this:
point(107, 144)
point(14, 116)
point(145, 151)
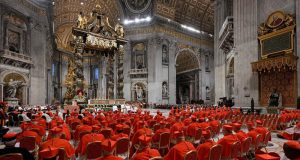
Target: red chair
point(215, 152)
point(12, 156)
point(257, 142)
point(260, 155)
point(106, 133)
point(122, 146)
point(93, 150)
point(164, 141)
point(29, 143)
point(156, 158)
point(235, 150)
point(246, 146)
point(191, 155)
point(60, 156)
point(81, 134)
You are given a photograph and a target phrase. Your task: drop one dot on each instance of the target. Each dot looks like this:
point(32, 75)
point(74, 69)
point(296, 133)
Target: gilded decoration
point(288, 62)
point(94, 33)
point(276, 35)
point(277, 67)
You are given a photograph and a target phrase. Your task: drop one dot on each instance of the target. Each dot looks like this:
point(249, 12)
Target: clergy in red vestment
point(108, 147)
point(177, 126)
point(137, 134)
point(227, 140)
point(291, 133)
point(163, 129)
point(144, 152)
point(178, 151)
point(204, 148)
point(260, 129)
point(80, 129)
point(241, 135)
point(56, 142)
point(119, 133)
point(85, 140)
point(251, 132)
point(29, 133)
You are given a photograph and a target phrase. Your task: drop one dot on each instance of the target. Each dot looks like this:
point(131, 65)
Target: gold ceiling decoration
point(197, 13)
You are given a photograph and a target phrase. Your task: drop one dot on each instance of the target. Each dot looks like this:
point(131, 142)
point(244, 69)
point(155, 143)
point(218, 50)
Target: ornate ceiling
point(196, 13)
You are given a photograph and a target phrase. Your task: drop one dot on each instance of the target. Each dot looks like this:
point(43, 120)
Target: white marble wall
point(38, 50)
point(247, 16)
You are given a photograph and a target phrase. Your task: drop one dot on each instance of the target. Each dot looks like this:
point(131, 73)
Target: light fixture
point(81, 3)
point(137, 20)
point(191, 29)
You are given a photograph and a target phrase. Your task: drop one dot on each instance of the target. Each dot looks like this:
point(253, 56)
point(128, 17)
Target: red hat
point(96, 128)
point(178, 134)
point(56, 130)
point(119, 127)
point(48, 152)
point(259, 122)
point(293, 144)
point(9, 136)
point(206, 134)
point(227, 127)
point(237, 125)
point(144, 139)
point(108, 145)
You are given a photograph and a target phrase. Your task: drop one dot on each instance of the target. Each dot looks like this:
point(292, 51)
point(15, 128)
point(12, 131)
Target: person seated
point(182, 146)
point(9, 140)
point(155, 138)
point(85, 140)
point(227, 140)
point(204, 148)
point(292, 149)
point(29, 133)
point(251, 132)
point(80, 129)
point(177, 126)
point(56, 142)
point(119, 133)
point(260, 129)
point(108, 147)
point(241, 135)
point(292, 133)
point(144, 152)
point(142, 131)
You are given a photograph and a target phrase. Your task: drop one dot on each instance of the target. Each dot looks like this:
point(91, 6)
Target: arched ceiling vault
point(186, 61)
point(196, 13)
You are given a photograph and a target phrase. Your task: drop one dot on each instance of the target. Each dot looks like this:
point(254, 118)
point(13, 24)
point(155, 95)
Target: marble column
point(297, 47)
point(172, 73)
point(219, 61)
point(245, 40)
point(1, 92)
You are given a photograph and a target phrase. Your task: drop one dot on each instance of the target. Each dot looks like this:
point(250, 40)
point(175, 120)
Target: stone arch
point(188, 59)
point(22, 92)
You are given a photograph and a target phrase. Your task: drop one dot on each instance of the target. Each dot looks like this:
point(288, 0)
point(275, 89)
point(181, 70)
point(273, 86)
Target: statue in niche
point(139, 93)
point(12, 87)
point(139, 61)
point(164, 89)
point(207, 93)
point(206, 63)
point(165, 57)
point(274, 98)
point(13, 41)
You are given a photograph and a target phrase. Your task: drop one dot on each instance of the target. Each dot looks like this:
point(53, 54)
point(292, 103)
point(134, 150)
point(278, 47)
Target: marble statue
point(12, 87)
point(139, 94)
point(81, 21)
point(164, 89)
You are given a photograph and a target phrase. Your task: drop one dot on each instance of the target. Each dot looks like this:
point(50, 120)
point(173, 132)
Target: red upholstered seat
point(12, 156)
point(215, 152)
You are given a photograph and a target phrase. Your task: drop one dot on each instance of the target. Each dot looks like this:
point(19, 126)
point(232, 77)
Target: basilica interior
point(176, 59)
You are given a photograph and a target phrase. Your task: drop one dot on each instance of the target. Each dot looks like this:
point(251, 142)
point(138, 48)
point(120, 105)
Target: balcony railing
point(16, 56)
point(226, 35)
point(138, 71)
